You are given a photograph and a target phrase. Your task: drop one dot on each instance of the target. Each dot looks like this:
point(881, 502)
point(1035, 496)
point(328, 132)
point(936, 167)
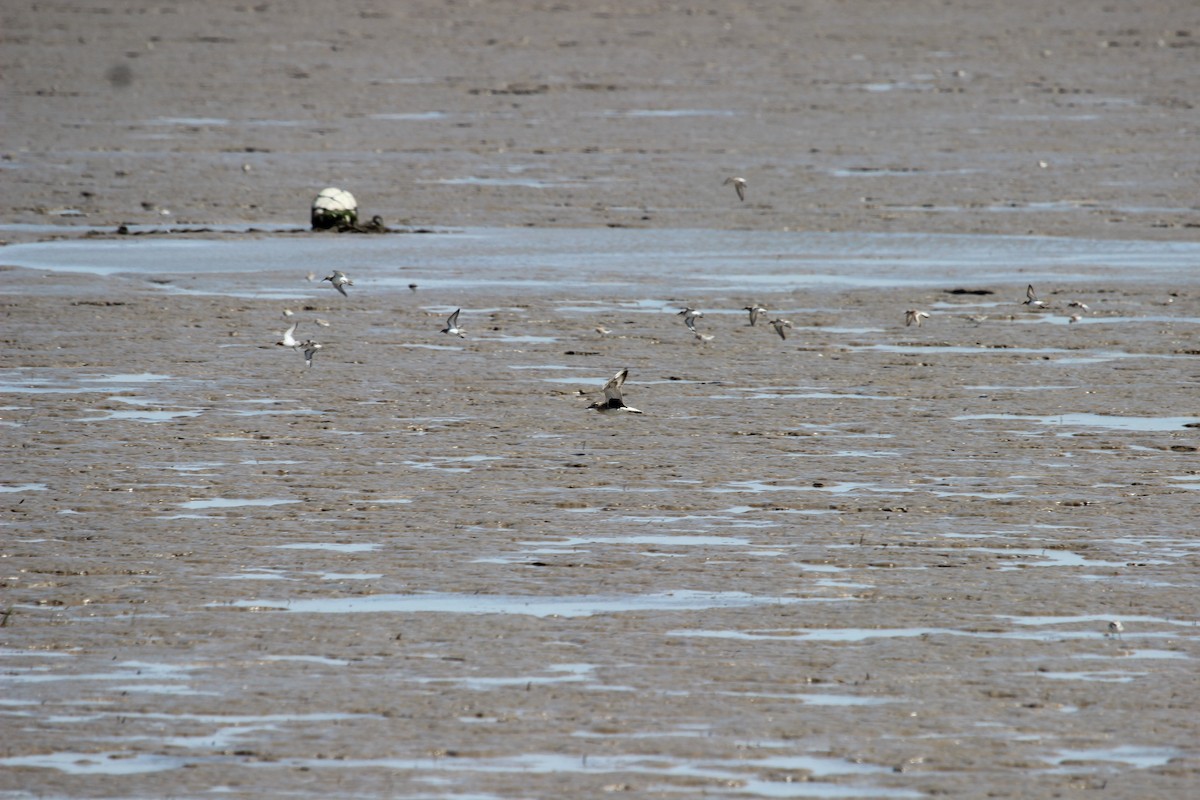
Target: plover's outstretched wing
point(739, 185)
point(691, 323)
point(612, 387)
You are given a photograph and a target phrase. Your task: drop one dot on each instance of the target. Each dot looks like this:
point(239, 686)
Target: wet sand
point(923, 117)
point(866, 561)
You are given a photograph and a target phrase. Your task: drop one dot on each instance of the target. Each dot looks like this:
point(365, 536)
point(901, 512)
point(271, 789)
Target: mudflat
point(864, 560)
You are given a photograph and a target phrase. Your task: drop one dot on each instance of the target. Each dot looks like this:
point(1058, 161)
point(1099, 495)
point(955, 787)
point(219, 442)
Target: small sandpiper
point(756, 311)
point(739, 186)
point(289, 340)
point(452, 325)
point(603, 331)
point(781, 326)
point(1079, 305)
point(703, 338)
point(1031, 298)
point(612, 395)
point(339, 281)
point(1115, 628)
point(914, 317)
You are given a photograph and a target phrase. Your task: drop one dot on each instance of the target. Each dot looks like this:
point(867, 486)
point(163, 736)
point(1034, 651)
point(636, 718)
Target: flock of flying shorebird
point(613, 399)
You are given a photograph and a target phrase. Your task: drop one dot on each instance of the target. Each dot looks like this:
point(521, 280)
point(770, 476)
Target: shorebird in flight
point(703, 338)
point(1079, 305)
point(781, 326)
point(1031, 298)
point(288, 339)
point(914, 317)
point(452, 325)
point(339, 281)
point(603, 331)
point(756, 311)
point(310, 350)
point(612, 395)
point(689, 315)
point(739, 186)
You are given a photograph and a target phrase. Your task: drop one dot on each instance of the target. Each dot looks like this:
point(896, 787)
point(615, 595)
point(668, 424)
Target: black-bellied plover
point(452, 325)
point(289, 340)
point(612, 395)
point(756, 311)
point(781, 326)
point(689, 315)
point(1031, 298)
point(739, 186)
point(339, 281)
point(914, 317)
point(310, 350)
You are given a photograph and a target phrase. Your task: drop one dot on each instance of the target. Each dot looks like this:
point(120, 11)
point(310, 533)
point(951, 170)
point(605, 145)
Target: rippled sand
point(876, 559)
point(866, 561)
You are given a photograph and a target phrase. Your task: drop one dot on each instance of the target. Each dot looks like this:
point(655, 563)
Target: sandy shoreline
point(869, 561)
point(933, 120)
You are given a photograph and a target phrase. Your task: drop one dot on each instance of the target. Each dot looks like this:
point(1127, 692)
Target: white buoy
point(333, 207)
